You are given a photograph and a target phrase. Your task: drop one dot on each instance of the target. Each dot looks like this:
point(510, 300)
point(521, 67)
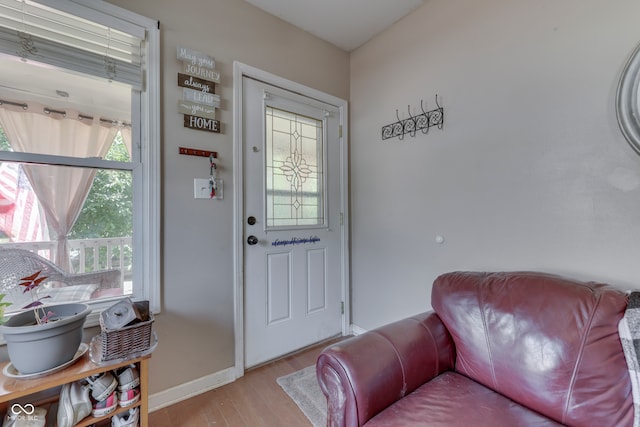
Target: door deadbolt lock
point(252, 240)
point(251, 220)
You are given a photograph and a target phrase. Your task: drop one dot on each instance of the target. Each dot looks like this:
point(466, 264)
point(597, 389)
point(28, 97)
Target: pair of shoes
point(128, 377)
point(102, 385)
point(129, 397)
point(103, 390)
point(127, 419)
point(106, 406)
point(128, 385)
point(74, 404)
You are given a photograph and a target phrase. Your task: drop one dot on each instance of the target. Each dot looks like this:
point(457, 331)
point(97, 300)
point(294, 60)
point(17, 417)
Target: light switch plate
point(201, 188)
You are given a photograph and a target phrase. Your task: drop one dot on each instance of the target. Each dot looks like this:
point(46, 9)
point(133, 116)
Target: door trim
point(241, 70)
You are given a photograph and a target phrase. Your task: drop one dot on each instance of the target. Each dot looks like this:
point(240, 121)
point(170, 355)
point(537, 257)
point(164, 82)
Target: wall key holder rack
point(421, 122)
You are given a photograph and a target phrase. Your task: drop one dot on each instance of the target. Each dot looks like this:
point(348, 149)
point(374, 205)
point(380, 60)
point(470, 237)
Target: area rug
point(302, 387)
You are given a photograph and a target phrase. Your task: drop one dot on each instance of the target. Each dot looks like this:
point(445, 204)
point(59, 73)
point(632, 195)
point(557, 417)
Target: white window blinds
point(35, 32)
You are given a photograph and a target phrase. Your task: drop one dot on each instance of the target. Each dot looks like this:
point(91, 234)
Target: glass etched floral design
point(294, 169)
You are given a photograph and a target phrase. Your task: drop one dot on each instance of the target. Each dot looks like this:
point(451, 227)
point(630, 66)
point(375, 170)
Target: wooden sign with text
point(194, 109)
point(198, 97)
point(196, 58)
point(201, 72)
point(201, 123)
point(195, 83)
point(197, 80)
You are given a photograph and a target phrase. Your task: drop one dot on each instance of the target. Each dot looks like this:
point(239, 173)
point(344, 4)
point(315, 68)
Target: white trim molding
point(190, 389)
point(357, 330)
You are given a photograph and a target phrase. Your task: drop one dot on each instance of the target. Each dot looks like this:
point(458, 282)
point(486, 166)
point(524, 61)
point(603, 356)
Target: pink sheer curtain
point(61, 190)
point(126, 137)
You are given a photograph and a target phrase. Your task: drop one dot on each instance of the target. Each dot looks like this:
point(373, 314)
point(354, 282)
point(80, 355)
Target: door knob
point(252, 240)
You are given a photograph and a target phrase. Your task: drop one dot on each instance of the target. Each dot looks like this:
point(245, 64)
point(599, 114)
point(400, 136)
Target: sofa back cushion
point(546, 342)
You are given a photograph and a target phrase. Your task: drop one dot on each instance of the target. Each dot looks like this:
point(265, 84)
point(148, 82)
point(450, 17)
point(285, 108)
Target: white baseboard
point(201, 385)
point(189, 389)
point(357, 330)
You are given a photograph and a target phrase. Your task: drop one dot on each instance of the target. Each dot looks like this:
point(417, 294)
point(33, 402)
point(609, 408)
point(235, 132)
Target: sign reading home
point(201, 123)
point(197, 80)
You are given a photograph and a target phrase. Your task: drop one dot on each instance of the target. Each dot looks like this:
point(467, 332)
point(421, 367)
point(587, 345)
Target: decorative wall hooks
point(421, 122)
point(196, 152)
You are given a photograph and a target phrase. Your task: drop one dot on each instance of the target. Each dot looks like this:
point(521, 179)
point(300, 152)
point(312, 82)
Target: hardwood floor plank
point(287, 411)
point(255, 400)
point(229, 411)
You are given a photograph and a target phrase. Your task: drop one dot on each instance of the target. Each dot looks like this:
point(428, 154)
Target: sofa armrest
point(363, 375)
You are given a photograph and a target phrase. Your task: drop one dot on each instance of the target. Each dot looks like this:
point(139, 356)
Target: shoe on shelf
point(74, 404)
point(102, 385)
point(106, 406)
point(128, 377)
point(126, 419)
point(128, 397)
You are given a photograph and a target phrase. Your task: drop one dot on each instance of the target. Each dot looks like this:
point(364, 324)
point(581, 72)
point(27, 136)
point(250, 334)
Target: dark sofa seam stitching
point(579, 359)
point(435, 344)
point(395, 350)
point(486, 335)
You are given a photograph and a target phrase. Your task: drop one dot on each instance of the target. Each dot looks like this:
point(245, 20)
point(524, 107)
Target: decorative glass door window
point(294, 170)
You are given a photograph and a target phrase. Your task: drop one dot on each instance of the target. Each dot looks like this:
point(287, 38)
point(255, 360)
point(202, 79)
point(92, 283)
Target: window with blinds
point(37, 32)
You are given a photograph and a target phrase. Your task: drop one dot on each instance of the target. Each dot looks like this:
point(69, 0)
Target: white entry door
point(293, 226)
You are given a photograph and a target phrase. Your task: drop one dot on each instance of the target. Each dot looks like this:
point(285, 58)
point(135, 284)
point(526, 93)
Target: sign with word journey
point(210, 99)
point(195, 109)
point(197, 80)
point(201, 72)
point(201, 123)
point(195, 83)
point(196, 58)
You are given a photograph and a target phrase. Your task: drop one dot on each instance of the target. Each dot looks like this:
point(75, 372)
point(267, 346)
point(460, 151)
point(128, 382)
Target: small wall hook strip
point(412, 124)
point(196, 152)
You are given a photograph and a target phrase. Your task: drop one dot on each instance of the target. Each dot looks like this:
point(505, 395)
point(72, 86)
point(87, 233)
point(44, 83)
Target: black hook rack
point(421, 122)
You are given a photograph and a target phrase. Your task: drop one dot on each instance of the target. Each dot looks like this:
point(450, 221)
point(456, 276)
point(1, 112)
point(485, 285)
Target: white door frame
point(239, 71)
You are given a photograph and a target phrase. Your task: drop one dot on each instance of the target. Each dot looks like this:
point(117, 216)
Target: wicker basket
point(120, 343)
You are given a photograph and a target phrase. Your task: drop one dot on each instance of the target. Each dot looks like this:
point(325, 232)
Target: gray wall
point(195, 329)
point(530, 171)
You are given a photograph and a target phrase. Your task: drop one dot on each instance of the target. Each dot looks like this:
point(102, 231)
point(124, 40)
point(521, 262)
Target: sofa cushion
point(453, 400)
point(548, 343)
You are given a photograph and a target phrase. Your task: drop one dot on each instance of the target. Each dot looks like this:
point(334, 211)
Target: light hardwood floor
point(254, 400)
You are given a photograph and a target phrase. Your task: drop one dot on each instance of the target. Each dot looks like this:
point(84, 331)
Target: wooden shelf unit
point(14, 388)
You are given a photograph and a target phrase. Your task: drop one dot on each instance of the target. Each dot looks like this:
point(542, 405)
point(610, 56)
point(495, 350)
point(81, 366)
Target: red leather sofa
point(498, 349)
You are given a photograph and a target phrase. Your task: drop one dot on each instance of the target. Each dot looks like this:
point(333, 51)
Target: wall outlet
point(201, 188)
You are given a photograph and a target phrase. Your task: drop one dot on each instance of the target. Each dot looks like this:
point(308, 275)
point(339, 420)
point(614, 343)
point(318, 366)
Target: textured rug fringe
point(302, 387)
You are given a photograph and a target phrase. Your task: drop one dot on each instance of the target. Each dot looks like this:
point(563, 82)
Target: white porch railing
point(88, 254)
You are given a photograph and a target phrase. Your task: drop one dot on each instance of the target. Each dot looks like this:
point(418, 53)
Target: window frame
point(145, 123)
